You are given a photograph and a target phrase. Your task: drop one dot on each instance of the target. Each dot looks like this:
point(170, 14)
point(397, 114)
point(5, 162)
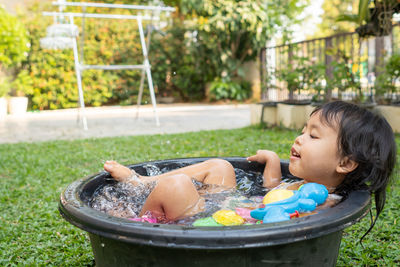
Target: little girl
point(342, 146)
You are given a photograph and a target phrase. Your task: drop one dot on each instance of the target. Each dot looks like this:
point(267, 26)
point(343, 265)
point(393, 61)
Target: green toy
point(207, 221)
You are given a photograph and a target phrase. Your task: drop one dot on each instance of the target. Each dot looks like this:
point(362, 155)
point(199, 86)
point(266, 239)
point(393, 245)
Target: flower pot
point(17, 105)
point(292, 116)
point(391, 114)
point(263, 113)
point(3, 107)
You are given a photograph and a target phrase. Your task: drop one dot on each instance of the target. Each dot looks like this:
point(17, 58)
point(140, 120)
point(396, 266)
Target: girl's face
point(314, 155)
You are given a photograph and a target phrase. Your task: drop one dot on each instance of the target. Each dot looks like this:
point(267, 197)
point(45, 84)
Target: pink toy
point(147, 217)
point(245, 214)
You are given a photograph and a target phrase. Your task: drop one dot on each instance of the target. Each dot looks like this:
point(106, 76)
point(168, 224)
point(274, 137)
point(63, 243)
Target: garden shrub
point(22, 85)
point(4, 86)
point(234, 32)
point(106, 43)
point(14, 41)
point(179, 65)
point(220, 89)
point(198, 47)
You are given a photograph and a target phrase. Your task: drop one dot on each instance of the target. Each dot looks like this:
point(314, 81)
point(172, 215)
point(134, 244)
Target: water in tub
point(125, 200)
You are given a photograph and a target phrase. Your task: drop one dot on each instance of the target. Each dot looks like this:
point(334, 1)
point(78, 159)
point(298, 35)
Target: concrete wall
point(295, 116)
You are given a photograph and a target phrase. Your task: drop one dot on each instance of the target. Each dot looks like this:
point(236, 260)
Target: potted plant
point(387, 92)
point(299, 75)
point(4, 89)
point(343, 78)
point(20, 88)
point(13, 50)
point(385, 84)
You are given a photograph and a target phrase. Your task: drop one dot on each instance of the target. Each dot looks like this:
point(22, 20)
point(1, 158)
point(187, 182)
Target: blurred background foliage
point(204, 44)
point(13, 36)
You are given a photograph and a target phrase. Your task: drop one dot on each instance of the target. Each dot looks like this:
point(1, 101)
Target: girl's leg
point(213, 171)
point(117, 171)
point(174, 196)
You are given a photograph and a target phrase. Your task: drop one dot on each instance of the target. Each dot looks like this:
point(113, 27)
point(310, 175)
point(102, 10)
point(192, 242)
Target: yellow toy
point(227, 218)
point(277, 195)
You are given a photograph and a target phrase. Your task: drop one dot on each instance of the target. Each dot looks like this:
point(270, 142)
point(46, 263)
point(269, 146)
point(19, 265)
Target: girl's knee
point(177, 182)
point(178, 195)
point(221, 164)
point(220, 172)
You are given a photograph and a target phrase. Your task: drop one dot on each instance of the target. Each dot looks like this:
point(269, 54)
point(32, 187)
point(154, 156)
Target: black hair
point(366, 138)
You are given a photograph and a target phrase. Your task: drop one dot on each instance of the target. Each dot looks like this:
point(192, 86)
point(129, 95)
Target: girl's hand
point(272, 171)
point(263, 156)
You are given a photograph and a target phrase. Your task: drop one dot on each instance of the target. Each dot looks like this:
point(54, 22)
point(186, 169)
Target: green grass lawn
point(32, 177)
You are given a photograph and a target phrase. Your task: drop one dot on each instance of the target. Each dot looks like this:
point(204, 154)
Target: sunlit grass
point(32, 177)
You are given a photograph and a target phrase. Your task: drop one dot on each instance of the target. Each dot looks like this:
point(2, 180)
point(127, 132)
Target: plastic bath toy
point(221, 218)
point(207, 221)
point(245, 214)
point(144, 218)
point(150, 217)
point(277, 195)
point(227, 217)
point(306, 199)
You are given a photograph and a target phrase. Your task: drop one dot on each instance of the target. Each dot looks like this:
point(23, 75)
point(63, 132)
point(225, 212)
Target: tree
point(374, 18)
point(332, 10)
point(235, 31)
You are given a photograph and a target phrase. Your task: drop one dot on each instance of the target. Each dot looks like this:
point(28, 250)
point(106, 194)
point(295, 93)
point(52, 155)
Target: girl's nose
point(299, 139)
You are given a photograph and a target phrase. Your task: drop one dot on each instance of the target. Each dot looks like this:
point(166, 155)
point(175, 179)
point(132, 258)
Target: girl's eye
point(313, 136)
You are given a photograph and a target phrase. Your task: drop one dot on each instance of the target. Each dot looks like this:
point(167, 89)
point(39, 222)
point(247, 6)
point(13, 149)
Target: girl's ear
point(346, 165)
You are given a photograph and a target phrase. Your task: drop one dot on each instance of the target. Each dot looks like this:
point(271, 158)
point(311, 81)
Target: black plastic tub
point(307, 241)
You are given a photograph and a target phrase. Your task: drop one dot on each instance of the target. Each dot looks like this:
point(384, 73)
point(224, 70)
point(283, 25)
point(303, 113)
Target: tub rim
point(74, 210)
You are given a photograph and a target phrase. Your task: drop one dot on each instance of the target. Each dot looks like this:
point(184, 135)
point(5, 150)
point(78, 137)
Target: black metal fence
point(283, 71)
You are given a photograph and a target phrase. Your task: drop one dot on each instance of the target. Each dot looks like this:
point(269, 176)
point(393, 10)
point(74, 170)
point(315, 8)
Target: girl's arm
point(272, 172)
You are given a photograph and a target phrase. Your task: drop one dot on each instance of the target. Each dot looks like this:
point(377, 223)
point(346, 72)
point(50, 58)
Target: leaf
point(348, 17)
point(363, 12)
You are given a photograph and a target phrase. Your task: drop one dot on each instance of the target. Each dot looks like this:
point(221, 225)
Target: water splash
point(125, 200)
point(152, 170)
point(121, 199)
point(249, 183)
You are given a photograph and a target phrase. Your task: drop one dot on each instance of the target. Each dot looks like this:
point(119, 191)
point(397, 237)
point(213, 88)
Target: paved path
point(121, 121)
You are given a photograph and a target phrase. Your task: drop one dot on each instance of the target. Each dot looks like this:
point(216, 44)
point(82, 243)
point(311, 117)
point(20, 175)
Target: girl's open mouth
point(294, 154)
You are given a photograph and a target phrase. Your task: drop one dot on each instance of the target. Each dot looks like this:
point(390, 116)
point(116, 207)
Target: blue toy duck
point(306, 199)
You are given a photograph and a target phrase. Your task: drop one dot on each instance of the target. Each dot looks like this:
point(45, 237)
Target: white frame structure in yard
point(79, 64)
